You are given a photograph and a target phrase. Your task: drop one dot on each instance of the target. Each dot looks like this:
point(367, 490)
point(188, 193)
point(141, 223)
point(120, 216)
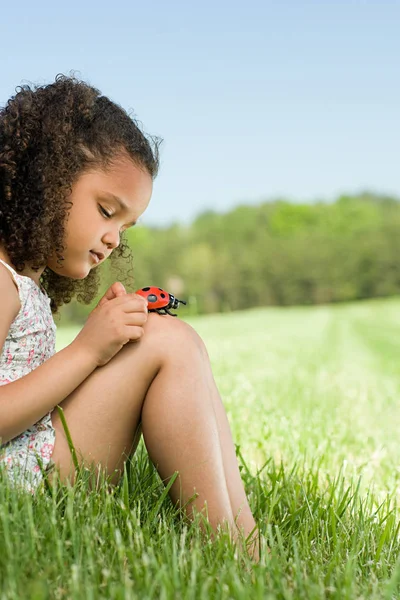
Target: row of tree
point(276, 253)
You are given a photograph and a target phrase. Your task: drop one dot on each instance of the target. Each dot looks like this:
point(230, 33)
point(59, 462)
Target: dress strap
point(13, 273)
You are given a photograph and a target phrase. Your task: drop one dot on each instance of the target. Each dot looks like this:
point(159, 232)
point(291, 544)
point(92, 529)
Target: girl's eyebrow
point(121, 204)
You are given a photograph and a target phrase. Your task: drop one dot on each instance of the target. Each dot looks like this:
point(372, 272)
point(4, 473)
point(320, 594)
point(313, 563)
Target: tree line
point(276, 253)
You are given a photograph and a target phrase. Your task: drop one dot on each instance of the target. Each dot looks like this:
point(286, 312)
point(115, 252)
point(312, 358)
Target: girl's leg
point(164, 382)
point(205, 390)
point(239, 503)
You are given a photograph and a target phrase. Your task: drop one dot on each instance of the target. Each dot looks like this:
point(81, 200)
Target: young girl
point(75, 173)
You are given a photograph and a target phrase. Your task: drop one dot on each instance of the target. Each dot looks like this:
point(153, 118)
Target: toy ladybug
point(159, 300)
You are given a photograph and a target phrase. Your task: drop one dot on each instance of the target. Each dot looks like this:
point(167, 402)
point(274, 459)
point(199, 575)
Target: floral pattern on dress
point(29, 343)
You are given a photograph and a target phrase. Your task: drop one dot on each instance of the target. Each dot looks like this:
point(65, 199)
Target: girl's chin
point(73, 267)
point(80, 274)
point(71, 273)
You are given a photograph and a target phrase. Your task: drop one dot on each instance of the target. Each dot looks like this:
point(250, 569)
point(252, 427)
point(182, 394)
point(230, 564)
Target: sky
point(253, 100)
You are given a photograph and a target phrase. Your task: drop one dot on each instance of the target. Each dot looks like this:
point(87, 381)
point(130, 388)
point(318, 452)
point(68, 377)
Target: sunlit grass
point(312, 398)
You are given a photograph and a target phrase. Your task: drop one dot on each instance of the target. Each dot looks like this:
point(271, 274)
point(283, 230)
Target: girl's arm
point(26, 400)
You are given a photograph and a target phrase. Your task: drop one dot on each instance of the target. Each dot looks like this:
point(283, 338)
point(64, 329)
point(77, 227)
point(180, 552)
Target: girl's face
point(104, 204)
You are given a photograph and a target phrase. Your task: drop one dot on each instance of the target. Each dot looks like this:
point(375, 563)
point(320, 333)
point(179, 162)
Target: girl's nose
point(111, 239)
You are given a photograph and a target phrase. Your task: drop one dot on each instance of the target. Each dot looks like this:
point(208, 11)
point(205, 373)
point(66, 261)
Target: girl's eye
point(108, 215)
point(105, 213)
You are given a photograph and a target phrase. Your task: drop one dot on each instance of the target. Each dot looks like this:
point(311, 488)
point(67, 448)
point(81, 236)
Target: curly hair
point(49, 136)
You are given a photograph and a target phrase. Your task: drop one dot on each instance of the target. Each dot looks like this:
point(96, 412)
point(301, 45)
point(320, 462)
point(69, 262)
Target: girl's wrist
point(83, 354)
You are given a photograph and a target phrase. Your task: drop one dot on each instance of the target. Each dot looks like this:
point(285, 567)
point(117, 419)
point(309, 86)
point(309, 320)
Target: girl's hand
point(117, 319)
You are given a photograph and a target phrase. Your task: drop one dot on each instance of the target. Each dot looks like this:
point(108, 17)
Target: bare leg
point(165, 382)
point(239, 503)
point(162, 446)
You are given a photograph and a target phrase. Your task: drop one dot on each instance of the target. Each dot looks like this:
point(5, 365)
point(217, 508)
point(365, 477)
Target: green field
point(312, 398)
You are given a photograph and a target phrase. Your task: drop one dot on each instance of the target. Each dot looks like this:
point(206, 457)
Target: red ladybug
point(159, 300)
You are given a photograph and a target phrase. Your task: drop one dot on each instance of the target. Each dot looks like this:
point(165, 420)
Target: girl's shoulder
point(29, 295)
point(10, 302)
point(30, 301)
point(20, 280)
point(14, 274)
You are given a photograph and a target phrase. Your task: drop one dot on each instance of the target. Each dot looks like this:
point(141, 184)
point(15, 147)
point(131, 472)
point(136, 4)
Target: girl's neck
point(27, 272)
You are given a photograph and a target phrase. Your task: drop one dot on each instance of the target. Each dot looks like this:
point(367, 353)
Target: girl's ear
point(115, 290)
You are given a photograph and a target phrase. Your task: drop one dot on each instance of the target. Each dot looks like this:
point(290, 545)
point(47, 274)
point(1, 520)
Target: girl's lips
point(95, 257)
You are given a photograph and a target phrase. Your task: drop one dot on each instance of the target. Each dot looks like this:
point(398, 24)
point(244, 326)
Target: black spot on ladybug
point(162, 295)
point(152, 298)
point(146, 289)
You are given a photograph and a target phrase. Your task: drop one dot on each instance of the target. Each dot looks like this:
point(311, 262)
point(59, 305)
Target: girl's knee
point(171, 334)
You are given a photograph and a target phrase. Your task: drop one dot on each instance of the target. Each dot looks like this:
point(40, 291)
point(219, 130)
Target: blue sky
point(253, 99)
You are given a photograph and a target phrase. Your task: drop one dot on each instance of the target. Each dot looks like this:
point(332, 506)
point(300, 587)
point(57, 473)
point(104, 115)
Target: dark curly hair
point(49, 136)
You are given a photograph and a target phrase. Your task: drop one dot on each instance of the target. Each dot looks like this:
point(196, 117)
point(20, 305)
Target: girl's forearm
point(26, 400)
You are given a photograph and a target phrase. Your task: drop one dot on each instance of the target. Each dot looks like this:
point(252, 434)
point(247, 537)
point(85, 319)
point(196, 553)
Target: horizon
point(250, 204)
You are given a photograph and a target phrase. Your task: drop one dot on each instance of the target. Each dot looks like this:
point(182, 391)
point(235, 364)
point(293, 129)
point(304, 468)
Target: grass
point(311, 395)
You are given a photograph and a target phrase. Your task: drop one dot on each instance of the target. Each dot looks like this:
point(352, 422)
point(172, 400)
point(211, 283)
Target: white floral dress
point(29, 343)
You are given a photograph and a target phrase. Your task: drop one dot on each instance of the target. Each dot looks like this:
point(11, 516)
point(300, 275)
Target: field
point(312, 398)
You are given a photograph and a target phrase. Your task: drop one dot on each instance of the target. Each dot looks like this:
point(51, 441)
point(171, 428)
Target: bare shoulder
point(9, 301)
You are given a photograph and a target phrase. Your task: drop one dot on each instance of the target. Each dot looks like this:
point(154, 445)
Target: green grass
point(312, 398)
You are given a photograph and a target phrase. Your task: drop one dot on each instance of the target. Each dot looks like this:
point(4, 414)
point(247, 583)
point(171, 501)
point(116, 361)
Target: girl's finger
point(135, 319)
point(117, 289)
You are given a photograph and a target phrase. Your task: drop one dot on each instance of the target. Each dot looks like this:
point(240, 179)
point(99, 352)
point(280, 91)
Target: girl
point(75, 173)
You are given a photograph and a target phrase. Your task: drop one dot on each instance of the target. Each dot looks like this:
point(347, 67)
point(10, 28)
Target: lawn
point(311, 395)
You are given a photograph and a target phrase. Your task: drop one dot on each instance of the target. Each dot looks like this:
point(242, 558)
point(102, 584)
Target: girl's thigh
point(103, 414)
